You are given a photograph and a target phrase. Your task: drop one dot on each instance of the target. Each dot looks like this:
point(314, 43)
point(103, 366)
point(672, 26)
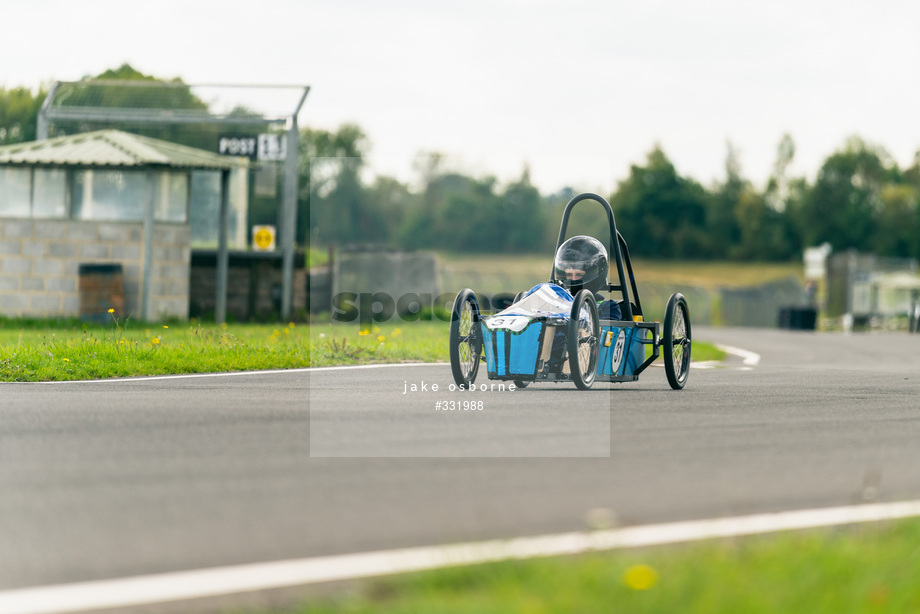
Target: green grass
point(317, 257)
point(715, 274)
point(699, 352)
point(70, 350)
point(38, 350)
point(867, 568)
point(345, 344)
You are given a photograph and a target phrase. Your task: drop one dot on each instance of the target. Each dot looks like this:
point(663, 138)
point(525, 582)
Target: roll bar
point(616, 247)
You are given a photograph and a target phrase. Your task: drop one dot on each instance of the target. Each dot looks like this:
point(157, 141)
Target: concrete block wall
point(171, 272)
point(39, 262)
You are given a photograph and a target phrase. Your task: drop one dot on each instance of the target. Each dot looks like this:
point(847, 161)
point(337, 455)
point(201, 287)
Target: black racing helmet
point(581, 262)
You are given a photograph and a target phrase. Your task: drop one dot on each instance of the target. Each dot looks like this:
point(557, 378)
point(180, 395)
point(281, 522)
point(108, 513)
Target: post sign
point(268, 147)
point(263, 238)
point(237, 146)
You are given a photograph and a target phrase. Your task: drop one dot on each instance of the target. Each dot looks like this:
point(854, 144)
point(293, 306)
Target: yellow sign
point(263, 238)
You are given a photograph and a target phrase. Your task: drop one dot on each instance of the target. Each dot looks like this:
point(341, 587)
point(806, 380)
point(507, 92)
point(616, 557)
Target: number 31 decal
point(618, 352)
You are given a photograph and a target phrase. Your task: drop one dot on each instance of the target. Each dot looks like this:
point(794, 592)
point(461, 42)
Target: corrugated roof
point(114, 148)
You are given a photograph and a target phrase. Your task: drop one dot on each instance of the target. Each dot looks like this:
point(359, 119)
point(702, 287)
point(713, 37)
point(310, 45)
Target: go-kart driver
point(582, 263)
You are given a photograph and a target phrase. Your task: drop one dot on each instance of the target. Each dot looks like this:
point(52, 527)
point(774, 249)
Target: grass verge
point(70, 350)
point(865, 568)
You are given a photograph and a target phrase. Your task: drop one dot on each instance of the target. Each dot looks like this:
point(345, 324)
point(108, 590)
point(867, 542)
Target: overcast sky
point(578, 90)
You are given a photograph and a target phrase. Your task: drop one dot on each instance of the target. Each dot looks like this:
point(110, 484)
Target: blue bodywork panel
point(514, 339)
point(621, 350)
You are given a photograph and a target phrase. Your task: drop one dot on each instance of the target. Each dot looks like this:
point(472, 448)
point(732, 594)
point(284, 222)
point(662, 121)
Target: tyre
point(676, 341)
point(581, 340)
point(465, 338)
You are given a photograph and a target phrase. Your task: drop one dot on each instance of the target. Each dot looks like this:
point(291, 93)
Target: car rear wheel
point(676, 341)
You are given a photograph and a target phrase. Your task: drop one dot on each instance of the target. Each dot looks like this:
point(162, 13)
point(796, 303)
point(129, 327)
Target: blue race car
point(557, 331)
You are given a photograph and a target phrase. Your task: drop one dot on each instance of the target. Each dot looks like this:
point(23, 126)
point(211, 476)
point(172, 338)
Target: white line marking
point(749, 358)
point(405, 364)
point(154, 378)
point(706, 364)
point(141, 590)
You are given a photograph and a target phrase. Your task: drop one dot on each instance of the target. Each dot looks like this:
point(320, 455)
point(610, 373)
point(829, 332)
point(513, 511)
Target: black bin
point(798, 318)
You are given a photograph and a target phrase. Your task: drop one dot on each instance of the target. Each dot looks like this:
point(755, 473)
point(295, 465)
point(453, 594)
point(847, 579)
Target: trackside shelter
point(105, 197)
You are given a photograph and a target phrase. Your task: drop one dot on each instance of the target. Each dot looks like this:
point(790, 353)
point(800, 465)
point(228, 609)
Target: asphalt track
point(117, 479)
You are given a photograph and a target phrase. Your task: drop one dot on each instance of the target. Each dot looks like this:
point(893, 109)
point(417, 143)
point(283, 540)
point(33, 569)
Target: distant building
point(106, 197)
point(865, 286)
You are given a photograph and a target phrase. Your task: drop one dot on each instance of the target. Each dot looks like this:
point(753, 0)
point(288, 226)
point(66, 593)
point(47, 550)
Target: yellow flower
point(165, 327)
point(111, 311)
point(291, 325)
point(396, 332)
point(364, 332)
point(640, 577)
point(381, 338)
point(155, 341)
point(66, 360)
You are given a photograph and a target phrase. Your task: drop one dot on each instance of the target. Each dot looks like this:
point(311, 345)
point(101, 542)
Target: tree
point(842, 206)
point(473, 219)
point(441, 216)
point(19, 114)
point(721, 217)
point(332, 201)
point(897, 231)
point(162, 94)
point(174, 95)
point(765, 231)
point(780, 187)
point(525, 218)
point(660, 213)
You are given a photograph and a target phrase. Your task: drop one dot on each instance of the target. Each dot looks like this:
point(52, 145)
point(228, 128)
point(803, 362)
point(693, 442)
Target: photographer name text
point(424, 386)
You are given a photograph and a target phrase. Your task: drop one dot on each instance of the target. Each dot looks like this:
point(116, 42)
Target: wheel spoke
point(467, 340)
point(466, 319)
point(585, 342)
point(679, 336)
point(467, 358)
